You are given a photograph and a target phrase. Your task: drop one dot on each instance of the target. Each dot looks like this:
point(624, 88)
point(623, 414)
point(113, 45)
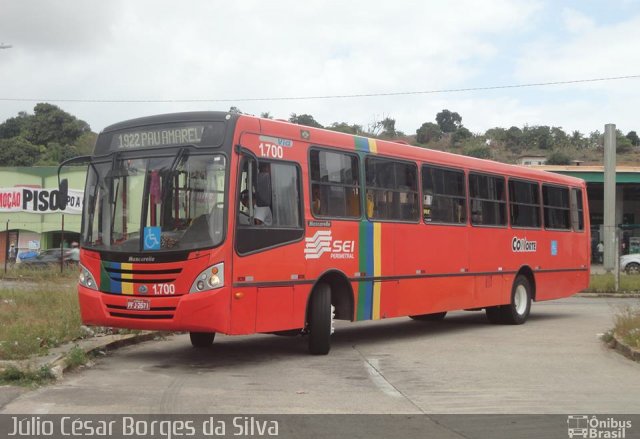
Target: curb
point(623, 348)
point(629, 295)
point(57, 362)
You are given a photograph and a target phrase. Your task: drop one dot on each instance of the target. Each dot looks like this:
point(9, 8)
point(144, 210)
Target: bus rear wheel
point(434, 317)
point(516, 312)
point(320, 320)
point(202, 339)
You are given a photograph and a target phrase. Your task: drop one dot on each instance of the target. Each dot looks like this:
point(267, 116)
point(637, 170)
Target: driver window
point(268, 205)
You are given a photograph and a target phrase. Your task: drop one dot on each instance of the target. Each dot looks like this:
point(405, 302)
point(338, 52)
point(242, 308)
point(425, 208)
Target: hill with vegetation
point(51, 135)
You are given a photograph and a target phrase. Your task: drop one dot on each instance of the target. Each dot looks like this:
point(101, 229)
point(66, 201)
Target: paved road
point(553, 364)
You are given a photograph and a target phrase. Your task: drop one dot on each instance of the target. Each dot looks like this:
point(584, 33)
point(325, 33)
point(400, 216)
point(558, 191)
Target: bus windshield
point(177, 200)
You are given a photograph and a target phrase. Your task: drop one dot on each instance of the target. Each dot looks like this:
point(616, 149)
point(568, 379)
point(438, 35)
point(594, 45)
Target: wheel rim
point(520, 299)
point(633, 268)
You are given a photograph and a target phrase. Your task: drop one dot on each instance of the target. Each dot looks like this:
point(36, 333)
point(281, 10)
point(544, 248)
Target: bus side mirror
point(63, 194)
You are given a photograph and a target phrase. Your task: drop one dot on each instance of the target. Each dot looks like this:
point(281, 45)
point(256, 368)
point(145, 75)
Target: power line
point(312, 97)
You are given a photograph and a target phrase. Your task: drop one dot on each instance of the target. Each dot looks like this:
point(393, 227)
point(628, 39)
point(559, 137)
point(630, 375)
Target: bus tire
point(494, 314)
point(517, 312)
point(202, 339)
point(433, 317)
point(320, 320)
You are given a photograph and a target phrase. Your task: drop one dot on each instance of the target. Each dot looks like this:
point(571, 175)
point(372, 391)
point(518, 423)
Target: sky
point(75, 53)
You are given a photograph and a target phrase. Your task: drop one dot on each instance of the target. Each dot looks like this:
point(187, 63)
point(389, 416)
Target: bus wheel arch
point(331, 297)
point(527, 272)
point(341, 294)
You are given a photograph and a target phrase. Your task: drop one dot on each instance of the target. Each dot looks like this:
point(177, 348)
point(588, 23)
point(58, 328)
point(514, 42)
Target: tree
point(633, 138)
point(344, 127)
point(266, 115)
point(388, 127)
point(558, 158)
point(481, 152)
point(14, 126)
point(460, 135)
point(448, 121)
point(18, 152)
point(50, 124)
point(428, 132)
point(514, 139)
point(304, 119)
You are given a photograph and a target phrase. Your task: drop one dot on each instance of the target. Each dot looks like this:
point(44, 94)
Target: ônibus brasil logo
point(592, 427)
point(322, 242)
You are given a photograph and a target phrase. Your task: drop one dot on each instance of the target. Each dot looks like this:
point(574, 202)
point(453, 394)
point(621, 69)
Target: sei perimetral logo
point(322, 242)
point(594, 428)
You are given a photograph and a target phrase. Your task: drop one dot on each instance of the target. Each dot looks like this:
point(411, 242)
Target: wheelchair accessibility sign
point(152, 238)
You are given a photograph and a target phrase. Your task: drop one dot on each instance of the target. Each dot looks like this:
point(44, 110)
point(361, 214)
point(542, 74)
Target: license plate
point(139, 305)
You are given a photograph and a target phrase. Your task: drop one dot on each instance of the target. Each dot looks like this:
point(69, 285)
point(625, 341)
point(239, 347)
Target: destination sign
point(153, 137)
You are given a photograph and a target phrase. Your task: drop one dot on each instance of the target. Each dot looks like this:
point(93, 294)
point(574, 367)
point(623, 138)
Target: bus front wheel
point(202, 339)
point(320, 320)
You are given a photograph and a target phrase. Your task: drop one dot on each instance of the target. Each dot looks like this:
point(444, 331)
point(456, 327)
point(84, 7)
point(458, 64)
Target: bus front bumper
point(198, 312)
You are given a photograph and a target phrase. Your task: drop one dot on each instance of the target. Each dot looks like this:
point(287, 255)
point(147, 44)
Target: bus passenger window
point(392, 190)
point(524, 204)
point(556, 207)
point(335, 184)
point(577, 212)
point(443, 196)
point(487, 200)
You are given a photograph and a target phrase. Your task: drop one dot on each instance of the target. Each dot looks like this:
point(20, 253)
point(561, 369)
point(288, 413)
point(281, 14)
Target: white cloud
point(200, 49)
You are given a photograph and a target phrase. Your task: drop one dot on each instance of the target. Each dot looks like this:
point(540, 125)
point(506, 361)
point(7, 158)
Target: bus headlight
point(210, 279)
point(86, 279)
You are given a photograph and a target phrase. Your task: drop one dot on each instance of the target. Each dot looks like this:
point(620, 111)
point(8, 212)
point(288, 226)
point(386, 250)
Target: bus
point(212, 222)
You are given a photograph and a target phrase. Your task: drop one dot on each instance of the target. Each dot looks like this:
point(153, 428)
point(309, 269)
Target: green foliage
point(623, 144)
point(558, 158)
point(633, 138)
point(28, 378)
point(428, 132)
point(44, 138)
point(304, 119)
point(448, 121)
point(480, 152)
point(50, 124)
point(76, 357)
point(18, 151)
point(388, 127)
point(460, 135)
point(344, 127)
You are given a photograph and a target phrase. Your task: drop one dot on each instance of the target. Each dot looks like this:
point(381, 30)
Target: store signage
point(38, 200)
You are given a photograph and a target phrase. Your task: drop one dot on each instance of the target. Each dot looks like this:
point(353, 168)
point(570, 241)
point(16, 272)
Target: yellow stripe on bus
point(127, 287)
point(377, 269)
point(373, 146)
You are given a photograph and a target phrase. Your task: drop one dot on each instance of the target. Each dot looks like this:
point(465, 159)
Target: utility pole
point(610, 226)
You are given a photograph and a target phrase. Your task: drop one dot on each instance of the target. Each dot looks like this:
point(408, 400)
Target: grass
point(34, 319)
point(627, 326)
point(601, 283)
point(42, 274)
point(27, 378)
point(76, 357)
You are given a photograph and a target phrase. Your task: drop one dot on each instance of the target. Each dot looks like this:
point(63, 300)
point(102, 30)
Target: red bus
point(212, 222)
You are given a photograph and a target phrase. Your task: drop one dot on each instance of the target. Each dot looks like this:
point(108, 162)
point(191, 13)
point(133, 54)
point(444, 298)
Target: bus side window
point(335, 184)
point(577, 212)
point(392, 190)
point(276, 212)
